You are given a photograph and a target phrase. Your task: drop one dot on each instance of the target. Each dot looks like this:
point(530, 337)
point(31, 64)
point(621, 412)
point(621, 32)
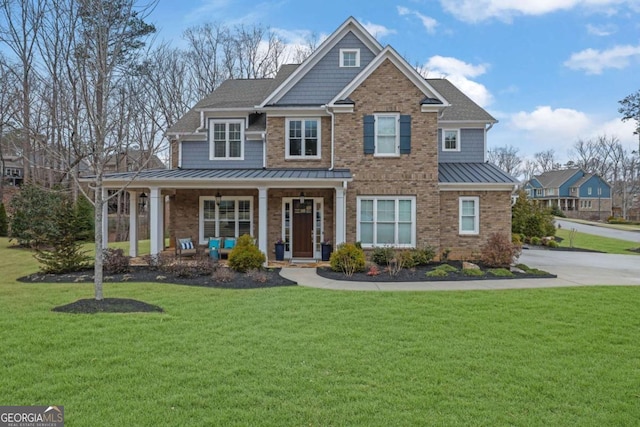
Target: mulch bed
point(418, 274)
point(108, 305)
point(266, 279)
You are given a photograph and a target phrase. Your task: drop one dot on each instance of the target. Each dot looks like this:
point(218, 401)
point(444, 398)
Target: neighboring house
point(351, 145)
point(12, 170)
point(577, 193)
point(133, 160)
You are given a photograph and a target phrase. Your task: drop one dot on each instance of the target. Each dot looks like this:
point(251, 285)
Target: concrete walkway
point(572, 268)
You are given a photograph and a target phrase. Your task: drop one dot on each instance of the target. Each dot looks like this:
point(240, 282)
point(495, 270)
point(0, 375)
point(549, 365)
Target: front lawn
point(596, 243)
point(299, 356)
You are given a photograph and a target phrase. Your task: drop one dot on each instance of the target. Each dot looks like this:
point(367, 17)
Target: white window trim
point(375, 135)
point(343, 51)
point(457, 131)
point(211, 145)
point(589, 191)
point(476, 222)
point(395, 198)
point(302, 156)
point(201, 237)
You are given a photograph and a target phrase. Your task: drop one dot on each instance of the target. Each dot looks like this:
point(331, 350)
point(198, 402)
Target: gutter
point(333, 124)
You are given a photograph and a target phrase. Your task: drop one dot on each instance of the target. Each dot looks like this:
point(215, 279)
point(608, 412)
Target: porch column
point(105, 219)
point(156, 210)
point(262, 220)
point(340, 217)
point(133, 224)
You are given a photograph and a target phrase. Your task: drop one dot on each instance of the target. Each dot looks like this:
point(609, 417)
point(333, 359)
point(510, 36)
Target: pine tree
point(4, 221)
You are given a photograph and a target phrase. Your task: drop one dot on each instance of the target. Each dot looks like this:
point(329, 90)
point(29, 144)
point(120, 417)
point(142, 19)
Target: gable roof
point(555, 178)
point(350, 25)
point(461, 108)
point(389, 53)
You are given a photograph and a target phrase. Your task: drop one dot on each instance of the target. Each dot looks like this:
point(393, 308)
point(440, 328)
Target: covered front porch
point(301, 208)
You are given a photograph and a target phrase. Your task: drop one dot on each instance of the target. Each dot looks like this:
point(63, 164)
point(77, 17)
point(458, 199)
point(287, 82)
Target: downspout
point(333, 119)
point(485, 140)
point(201, 121)
point(264, 150)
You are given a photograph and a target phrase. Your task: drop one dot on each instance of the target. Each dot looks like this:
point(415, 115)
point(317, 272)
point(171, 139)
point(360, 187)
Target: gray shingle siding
point(471, 147)
point(326, 78)
point(195, 155)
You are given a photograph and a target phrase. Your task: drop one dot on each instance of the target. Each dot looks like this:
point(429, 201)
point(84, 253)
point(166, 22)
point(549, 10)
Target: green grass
point(597, 243)
point(298, 356)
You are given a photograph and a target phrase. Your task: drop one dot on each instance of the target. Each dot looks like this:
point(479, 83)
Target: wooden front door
point(302, 229)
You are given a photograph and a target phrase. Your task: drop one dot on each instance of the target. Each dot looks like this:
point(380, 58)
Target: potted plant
point(327, 248)
point(279, 250)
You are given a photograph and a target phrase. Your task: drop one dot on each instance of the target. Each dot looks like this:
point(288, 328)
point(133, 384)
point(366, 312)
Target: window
point(225, 139)
point(469, 215)
point(232, 218)
point(550, 191)
point(386, 221)
point(589, 191)
point(538, 192)
point(386, 135)
point(450, 140)
point(349, 57)
point(303, 138)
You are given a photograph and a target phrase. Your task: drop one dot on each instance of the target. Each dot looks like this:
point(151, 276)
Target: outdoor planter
point(279, 251)
point(327, 248)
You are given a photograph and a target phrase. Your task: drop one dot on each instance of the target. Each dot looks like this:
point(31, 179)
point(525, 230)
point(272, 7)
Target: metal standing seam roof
point(473, 173)
point(232, 174)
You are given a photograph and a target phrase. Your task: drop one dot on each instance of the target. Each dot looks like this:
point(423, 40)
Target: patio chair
point(185, 247)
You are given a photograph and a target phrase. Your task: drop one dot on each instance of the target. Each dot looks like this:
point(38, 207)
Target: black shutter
point(405, 134)
point(369, 135)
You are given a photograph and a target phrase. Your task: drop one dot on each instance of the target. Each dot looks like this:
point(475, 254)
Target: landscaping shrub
point(115, 261)
point(536, 241)
point(423, 256)
point(500, 272)
point(552, 244)
point(259, 276)
point(85, 217)
point(224, 275)
point(245, 255)
point(556, 211)
point(33, 220)
point(436, 272)
point(381, 255)
point(4, 221)
point(516, 239)
point(472, 272)
point(447, 268)
point(499, 251)
point(63, 253)
point(347, 258)
point(530, 219)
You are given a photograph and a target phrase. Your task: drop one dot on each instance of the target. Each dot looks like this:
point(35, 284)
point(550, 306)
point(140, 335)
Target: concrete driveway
point(585, 268)
point(633, 236)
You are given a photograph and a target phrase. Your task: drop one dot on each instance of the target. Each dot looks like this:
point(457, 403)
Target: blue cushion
point(214, 242)
point(186, 244)
point(229, 242)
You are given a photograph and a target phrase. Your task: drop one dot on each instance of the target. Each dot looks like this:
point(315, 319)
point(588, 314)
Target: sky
point(551, 71)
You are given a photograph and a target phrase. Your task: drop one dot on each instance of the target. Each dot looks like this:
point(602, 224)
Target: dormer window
point(226, 140)
point(349, 57)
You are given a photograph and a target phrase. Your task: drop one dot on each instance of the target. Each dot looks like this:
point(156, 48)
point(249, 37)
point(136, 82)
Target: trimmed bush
point(499, 251)
point(447, 268)
point(4, 221)
point(437, 273)
point(552, 244)
point(501, 272)
point(423, 256)
point(347, 258)
point(382, 255)
point(536, 241)
point(472, 272)
point(115, 261)
point(245, 255)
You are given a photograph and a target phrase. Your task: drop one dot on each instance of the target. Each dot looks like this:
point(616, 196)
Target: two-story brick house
point(350, 145)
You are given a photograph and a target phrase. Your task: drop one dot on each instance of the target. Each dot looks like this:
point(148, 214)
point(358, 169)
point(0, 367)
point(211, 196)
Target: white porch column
point(156, 210)
point(105, 219)
point(262, 220)
point(340, 218)
point(133, 224)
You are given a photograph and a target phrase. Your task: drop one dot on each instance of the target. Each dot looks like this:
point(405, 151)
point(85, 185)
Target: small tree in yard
point(32, 220)
point(4, 222)
point(499, 251)
point(64, 253)
point(529, 219)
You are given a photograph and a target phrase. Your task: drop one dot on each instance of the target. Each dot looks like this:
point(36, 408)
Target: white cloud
point(480, 10)
point(459, 73)
point(428, 22)
point(602, 30)
point(558, 129)
point(594, 61)
point(378, 31)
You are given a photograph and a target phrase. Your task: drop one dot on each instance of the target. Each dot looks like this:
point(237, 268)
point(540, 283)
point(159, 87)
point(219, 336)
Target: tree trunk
point(99, 238)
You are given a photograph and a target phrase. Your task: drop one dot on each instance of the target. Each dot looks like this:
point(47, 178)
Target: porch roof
point(229, 177)
point(473, 173)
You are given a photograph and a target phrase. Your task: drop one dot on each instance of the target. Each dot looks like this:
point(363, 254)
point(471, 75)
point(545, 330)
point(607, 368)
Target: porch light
point(302, 197)
point(143, 200)
point(218, 198)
